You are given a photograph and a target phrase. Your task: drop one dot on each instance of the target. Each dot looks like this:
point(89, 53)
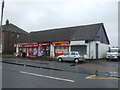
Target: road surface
point(18, 76)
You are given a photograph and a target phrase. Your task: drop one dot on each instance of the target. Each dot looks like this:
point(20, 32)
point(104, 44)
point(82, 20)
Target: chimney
point(7, 22)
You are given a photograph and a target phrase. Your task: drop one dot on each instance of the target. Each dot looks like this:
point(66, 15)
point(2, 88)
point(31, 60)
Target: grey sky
point(46, 14)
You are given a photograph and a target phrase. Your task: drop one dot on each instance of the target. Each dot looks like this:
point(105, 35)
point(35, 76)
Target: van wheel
point(76, 60)
point(60, 59)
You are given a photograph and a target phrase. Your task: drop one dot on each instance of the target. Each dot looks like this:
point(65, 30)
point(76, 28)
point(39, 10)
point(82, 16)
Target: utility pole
point(2, 12)
point(1, 26)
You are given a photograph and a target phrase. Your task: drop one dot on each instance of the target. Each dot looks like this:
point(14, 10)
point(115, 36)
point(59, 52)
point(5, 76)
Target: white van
point(112, 54)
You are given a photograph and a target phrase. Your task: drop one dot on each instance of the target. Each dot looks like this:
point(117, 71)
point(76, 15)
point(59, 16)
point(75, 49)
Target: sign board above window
point(77, 43)
point(64, 43)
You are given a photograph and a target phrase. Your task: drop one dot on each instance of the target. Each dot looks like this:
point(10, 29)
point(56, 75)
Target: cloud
point(44, 14)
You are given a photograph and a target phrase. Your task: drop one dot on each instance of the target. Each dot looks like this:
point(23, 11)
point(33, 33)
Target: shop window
point(61, 50)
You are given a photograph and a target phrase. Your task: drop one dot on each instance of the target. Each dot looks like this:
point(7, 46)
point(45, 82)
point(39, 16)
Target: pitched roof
point(12, 28)
point(85, 32)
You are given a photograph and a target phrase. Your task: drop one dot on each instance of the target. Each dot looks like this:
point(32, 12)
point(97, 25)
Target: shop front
point(27, 49)
point(60, 48)
point(44, 49)
point(33, 49)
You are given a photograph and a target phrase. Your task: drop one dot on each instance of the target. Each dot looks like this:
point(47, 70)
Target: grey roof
point(12, 28)
point(85, 32)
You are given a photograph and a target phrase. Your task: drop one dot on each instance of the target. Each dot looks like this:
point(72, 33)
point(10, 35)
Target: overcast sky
point(36, 15)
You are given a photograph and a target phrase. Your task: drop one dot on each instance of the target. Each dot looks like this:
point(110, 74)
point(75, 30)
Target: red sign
point(59, 54)
point(44, 44)
point(28, 45)
point(60, 43)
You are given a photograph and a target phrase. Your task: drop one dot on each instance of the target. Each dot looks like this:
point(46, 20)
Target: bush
point(8, 55)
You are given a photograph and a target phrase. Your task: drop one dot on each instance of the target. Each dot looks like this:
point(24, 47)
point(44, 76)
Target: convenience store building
point(90, 40)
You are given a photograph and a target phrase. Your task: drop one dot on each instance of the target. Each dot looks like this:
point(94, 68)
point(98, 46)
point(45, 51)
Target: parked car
point(71, 56)
point(113, 54)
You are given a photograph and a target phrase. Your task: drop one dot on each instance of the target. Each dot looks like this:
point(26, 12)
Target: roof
point(85, 32)
point(12, 28)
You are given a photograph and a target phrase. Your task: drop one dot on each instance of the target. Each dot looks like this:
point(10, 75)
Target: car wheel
point(76, 60)
point(60, 59)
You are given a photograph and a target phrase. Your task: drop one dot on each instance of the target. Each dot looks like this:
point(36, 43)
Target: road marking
point(90, 76)
point(0, 67)
point(104, 78)
point(56, 78)
point(94, 77)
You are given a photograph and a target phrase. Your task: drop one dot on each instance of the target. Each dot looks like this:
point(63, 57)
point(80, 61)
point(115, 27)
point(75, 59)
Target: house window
point(18, 36)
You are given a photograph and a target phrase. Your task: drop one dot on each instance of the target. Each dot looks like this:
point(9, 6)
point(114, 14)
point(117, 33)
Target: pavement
point(94, 67)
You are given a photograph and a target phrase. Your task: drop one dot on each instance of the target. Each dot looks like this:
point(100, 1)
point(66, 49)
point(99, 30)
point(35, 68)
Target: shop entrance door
point(46, 50)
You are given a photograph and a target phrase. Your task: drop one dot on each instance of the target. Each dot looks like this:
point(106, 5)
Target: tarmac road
point(21, 76)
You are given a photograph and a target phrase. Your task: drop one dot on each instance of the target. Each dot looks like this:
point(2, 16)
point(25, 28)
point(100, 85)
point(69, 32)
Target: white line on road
point(56, 78)
point(0, 67)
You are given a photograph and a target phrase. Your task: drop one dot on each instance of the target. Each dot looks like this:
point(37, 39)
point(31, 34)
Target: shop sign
point(28, 45)
point(44, 44)
point(77, 43)
point(60, 43)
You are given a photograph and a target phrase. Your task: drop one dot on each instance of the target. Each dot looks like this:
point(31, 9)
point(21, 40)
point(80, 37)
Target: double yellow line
point(95, 77)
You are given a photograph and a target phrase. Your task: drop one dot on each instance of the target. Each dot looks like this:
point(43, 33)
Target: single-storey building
point(90, 40)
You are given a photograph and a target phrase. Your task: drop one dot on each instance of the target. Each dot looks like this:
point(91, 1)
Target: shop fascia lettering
point(77, 43)
point(62, 43)
point(32, 45)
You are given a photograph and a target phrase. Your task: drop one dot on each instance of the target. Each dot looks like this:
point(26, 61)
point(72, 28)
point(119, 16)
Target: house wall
point(8, 41)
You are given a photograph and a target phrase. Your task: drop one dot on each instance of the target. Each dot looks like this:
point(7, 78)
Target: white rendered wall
point(92, 50)
point(51, 50)
point(103, 48)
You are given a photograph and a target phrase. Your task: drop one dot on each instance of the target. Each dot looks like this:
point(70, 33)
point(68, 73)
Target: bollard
point(96, 72)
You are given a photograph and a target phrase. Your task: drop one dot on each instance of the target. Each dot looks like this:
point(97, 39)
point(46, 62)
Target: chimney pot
point(7, 22)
